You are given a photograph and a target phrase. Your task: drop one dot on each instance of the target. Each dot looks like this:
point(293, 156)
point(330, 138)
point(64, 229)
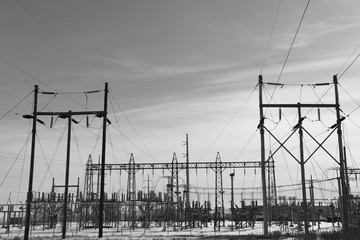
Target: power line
point(347, 60)
point(15, 106)
point(349, 66)
point(17, 156)
point(291, 46)
point(270, 38)
point(59, 41)
point(293, 41)
point(227, 124)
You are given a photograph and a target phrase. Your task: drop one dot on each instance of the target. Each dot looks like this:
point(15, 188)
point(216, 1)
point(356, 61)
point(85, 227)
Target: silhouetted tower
point(89, 179)
point(131, 192)
point(272, 199)
point(219, 194)
point(175, 187)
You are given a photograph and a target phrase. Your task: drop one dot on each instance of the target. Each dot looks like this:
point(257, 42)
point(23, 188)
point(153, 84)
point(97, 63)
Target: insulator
point(87, 121)
point(51, 121)
point(319, 116)
point(95, 91)
point(279, 114)
point(50, 93)
point(74, 121)
point(40, 121)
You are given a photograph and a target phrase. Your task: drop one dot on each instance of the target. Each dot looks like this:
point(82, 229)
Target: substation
point(174, 209)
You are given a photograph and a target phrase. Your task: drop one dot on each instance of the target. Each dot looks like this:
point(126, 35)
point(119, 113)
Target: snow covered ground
point(153, 232)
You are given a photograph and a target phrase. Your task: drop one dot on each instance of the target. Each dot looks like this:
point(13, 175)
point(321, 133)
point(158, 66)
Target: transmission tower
point(131, 192)
point(219, 194)
point(302, 159)
point(175, 188)
point(89, 180)
point(272, 185)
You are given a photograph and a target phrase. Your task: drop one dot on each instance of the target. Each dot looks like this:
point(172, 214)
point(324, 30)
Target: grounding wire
point(228, 122)
point(15, 105)
point(73, 133)
point(113, 153)
point(22, 166)
point(53, 156)
point(246, 144)
point(58, 40)
point(270, 38)
point(43, 152)
point(349, 66)
point(358, 104)
point(13, 163)
point(10, 66)
point(291, 46)
point(48, 102)
point(293, 41)
point(118, 124)
point(347, 60)
point(136, 133)
point(347, 144)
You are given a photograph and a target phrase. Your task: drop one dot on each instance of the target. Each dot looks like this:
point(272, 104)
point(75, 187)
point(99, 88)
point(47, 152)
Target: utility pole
point(103, 153)
point(232, 195)
point(187, 202)
point(100, 114)
point(302, 166)
point(312, 200)
point(63, 232)
point(263, 167)
point(343, 170)
point(343, 190)
point(32, 160)
point(219, 194)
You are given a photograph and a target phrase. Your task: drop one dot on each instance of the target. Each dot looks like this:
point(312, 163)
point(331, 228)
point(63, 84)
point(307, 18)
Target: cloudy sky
point(173, 68)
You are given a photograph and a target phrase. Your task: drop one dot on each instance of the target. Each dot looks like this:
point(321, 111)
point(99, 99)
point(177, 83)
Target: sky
point(175, 68)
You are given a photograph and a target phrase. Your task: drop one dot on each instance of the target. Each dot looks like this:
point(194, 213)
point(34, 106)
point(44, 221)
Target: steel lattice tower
point(219, 194)
point(131, 191)
point(89, 179)
point(175, 187)
point(272, 200)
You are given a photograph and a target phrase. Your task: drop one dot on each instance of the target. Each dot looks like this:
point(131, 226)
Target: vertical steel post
point(232, 196)
point(66, 192)
point(102, 187)
point(344, 196)
point(263, 170)
point(312, 201)
point(187, 203)
point(302, 166)
point(32, 160)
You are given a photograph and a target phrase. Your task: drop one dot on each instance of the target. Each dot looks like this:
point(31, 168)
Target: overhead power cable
point(58, 40)
point(347, 60)
point(227, 124)
point(349, 66)
point(15, 105)
point(14, 161)
point(293, 41)
point(270, 38)
point(148, 153)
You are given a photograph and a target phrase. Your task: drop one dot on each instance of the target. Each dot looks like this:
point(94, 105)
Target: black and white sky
point(173, 68)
